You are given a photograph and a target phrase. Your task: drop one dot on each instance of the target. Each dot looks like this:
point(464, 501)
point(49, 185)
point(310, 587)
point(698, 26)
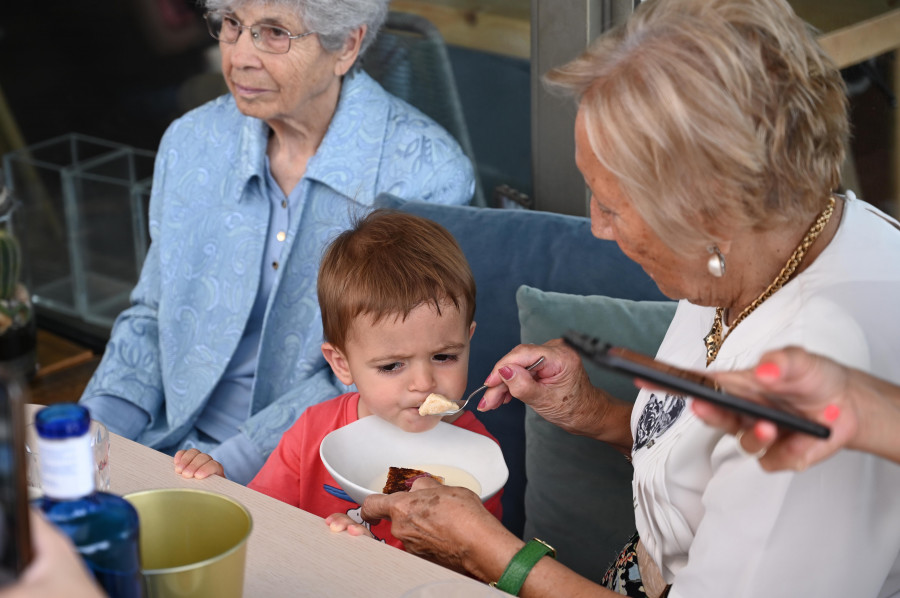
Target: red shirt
point(295, 474)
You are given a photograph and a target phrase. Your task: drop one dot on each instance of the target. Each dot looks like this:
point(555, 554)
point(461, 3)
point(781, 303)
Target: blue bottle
point(103, 527)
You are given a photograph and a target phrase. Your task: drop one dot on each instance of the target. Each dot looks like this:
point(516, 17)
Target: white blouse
point(714, 521)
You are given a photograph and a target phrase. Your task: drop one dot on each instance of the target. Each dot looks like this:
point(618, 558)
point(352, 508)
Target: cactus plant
point(15, 305)
point(10, 264)
point(18, 330)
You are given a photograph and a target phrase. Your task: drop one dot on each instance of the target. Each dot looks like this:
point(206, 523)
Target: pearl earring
point(716, 263)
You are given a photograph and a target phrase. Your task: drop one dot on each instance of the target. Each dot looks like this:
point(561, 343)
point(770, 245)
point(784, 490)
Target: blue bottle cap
point(63, 420)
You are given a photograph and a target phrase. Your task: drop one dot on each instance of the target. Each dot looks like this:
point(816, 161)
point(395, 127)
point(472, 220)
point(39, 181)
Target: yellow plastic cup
point(193, 543)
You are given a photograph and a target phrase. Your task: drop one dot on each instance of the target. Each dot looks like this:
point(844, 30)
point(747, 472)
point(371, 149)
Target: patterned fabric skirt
point(623, 576)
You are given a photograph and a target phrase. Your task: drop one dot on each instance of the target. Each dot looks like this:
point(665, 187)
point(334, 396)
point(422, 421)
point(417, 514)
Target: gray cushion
point(578, 494)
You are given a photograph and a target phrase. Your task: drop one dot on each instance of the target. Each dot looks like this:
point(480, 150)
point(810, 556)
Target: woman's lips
point(245, 90)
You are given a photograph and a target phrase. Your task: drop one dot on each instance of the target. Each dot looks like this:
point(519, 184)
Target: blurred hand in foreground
point(57, 570)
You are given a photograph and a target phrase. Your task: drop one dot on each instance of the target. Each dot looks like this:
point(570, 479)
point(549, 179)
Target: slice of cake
point(400, 479)
point(435, 403)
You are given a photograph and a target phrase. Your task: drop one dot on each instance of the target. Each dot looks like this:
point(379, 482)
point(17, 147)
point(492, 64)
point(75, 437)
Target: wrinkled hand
point(56, 570)
point(795, 380)
point(191, 463)
point(559, 389)
point(444, 524)
point(341, 522)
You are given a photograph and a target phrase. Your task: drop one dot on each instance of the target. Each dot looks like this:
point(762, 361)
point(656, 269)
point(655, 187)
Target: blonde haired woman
point(711, 134)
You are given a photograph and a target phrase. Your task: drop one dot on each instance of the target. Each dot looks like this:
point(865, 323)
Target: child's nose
point(422, 379)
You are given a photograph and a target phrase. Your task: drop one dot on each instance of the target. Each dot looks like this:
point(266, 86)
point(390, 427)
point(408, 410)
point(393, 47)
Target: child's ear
point(338, 362)
point(471, 329)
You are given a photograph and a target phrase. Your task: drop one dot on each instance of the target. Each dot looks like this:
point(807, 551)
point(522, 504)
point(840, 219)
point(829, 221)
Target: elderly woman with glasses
point(220, 350)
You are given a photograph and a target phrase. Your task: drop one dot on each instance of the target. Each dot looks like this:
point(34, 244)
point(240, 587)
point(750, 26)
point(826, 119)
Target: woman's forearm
point(608, 420)
point(878, 408)
point(547, 578)
point(551, 578)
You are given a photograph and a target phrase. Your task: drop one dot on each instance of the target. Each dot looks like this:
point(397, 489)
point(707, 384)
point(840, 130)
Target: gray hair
point(332, 20)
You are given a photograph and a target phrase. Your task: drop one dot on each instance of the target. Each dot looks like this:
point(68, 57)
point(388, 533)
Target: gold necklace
point(714, 339)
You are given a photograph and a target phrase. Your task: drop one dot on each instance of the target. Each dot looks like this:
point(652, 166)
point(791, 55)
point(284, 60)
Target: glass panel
point(82, 222)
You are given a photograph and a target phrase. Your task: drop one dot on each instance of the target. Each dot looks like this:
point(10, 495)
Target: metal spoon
point(478, 390)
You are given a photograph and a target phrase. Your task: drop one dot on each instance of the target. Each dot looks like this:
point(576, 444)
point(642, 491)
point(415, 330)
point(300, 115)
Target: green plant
point(10, 264)
point(15, 304)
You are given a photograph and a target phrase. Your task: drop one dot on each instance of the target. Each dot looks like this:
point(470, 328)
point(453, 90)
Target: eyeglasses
point(268, 38)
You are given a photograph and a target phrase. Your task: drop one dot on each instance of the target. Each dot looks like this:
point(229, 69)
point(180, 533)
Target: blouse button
point(284, 203)
point(280, 236)
point(274, 265)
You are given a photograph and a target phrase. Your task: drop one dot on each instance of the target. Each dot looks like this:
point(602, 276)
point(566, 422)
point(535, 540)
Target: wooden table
point(64, 369)
point(55, 353)
point(64, 385)
point(290, 552)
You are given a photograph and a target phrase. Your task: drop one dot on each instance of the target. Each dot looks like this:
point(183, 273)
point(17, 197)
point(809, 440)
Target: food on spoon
point(435, 403)
point(400, 479)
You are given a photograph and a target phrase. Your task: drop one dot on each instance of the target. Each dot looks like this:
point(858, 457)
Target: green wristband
point(520, 566)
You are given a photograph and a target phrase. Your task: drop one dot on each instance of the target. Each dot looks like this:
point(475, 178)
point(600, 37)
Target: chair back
point(409, 59)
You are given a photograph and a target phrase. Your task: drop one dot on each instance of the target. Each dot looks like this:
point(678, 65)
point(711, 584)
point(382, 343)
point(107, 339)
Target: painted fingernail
point(832, 412)
point(768, 371)
point(506, 372)
point(482, 404)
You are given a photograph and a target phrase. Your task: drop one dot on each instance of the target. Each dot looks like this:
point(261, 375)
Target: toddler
point(398, 299)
